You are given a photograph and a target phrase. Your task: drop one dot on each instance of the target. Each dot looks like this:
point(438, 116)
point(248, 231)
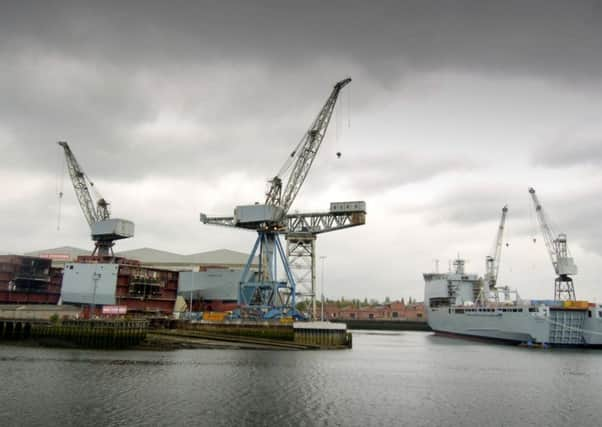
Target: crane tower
point(104, 229)
point(562, 262)
point(262, 294)
point(492, 262)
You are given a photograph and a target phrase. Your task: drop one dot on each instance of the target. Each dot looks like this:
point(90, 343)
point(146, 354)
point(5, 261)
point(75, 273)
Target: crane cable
point(295, 153)
point(342, 119)
point(290, 159)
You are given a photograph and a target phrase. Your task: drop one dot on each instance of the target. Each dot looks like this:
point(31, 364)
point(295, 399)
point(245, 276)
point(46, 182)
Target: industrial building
point(154, 258)
point(396, 310)
point(28, 280)
point(215, 289)
point(140, 281)
point(122, 284)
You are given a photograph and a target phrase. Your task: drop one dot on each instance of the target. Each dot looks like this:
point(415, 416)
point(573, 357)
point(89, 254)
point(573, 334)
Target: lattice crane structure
point(261, 294)
point(492, 262)
point(104, 229)
point(563, 263)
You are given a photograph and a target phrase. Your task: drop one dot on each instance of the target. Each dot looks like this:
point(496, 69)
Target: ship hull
point(558, 328)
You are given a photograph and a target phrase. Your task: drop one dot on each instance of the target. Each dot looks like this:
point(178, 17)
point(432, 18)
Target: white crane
point(104, 230)
point(563, 263)
point(492, 261)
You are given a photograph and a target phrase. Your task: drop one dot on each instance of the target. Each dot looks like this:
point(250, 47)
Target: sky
point(174, 108)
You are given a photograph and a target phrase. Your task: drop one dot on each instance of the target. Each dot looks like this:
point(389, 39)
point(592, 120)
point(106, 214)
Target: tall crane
point(563, 263)
point(104, 230)
point(492, 261)
point(261, 294)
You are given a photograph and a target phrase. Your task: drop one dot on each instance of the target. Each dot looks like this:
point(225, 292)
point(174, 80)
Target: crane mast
point(104, 230)
point(562, 262)
point(492, 262)
point(304, 155)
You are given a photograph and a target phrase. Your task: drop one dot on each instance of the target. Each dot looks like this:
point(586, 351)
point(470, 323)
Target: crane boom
point(546, 229)
point(304, 153)
point(493, 261)
point(557, 245)
point(104, 230)
point(93, 212)
point(562, 262)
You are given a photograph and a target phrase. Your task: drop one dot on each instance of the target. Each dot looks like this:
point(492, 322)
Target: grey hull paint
point(513, 327)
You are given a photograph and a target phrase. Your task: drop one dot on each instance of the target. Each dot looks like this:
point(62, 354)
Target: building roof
point(38, 307)
point(224, 257)
point(220, 256)
point(151, 255)
point(66, 252)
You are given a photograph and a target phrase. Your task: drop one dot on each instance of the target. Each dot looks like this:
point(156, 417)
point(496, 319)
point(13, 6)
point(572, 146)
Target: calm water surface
point(408, 378)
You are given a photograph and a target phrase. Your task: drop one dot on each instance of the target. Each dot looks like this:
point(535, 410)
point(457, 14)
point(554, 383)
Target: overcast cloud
point(173, 108)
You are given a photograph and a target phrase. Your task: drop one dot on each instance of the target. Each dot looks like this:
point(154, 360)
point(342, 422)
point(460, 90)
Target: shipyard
point(262, 213)
point(250, 301)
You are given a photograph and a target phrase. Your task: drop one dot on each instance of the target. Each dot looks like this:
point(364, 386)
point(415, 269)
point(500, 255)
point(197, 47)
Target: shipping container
point(546, 302)
point(576, 305)
point(214, 316)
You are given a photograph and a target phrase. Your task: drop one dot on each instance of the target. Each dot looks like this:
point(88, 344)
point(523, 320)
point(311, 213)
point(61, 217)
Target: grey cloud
point(101, 110)
point(569, 152)
point(377, 172)
point(94, 73)
point(470, 205)
point(545, 38)
point(578, 215)
point(575, 214)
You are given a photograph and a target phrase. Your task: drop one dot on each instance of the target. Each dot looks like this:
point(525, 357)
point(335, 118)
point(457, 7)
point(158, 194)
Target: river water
point(405, 378)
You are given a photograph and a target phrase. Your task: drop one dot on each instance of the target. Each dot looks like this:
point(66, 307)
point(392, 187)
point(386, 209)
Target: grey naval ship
point(464, 304)
point(454, 308)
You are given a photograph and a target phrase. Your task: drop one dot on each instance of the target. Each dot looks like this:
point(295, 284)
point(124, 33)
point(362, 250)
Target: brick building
point(397, 310)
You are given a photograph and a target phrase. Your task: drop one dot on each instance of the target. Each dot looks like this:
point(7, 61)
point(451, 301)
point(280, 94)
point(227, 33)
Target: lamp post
point(323, 258)
point(190, 306)
point(95, 278)
point(10, 288)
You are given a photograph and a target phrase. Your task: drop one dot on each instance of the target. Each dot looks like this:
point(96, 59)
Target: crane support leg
point(301, 253)
point(103, 248)
point(262, 296)
point(564, 289)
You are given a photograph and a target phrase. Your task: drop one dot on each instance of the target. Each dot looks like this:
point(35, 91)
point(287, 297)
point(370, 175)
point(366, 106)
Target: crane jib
point(306, 151)
point(104, 230)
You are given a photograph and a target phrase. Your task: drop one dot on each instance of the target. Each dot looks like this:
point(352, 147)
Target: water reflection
point(407, 378)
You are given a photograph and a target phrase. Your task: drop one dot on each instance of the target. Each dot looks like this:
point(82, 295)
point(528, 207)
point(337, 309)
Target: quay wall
point(386, 325)
point(112, 334)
